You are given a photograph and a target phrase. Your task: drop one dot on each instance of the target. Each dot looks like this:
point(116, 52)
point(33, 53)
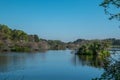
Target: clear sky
point(66, 20)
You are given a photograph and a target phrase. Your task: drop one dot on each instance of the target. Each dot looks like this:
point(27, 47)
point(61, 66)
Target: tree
point(31, 38)
point(36, 38)
point(19, 35)
point(1, 44)
point(94, 48)
point(5, 31)
point(111, 70)
point(109, 5)
point(56, 45)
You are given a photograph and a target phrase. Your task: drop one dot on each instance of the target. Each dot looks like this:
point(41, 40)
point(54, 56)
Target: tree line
point(18, 40)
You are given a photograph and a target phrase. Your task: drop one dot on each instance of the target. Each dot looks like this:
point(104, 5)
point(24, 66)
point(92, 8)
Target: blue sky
point(66, 20)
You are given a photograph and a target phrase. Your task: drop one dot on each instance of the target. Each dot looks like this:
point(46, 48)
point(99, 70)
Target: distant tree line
point(18, 40)
point(76, 44)
point(115, 42)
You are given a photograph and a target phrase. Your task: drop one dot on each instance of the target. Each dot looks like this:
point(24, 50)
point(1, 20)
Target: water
point(50, 65)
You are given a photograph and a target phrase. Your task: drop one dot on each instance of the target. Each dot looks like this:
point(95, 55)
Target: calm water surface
point(50, 65)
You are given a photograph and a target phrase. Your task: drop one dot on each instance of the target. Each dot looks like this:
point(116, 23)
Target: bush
point(94, 48)
point(20, 49)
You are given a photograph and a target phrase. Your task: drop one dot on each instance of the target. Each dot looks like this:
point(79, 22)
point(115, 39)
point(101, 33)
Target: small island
point(95, 47)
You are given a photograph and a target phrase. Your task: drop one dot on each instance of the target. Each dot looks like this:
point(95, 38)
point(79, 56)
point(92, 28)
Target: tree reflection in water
point(112, 70)
point(10, 63)
point(90, 60)
point(110, 64)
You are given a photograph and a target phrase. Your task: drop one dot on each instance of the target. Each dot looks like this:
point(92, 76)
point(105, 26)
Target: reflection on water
point(17, 61)
point(6, 62)
point(50, 65)
point(93, 61)
point(111, 70)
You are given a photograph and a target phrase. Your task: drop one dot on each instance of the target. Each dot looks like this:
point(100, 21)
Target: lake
point(49, 65)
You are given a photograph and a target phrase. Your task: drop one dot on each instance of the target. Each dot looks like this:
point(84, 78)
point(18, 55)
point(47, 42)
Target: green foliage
point(11, 38)
point(36, 38)
point(108, 4)
point(18, 35)
point(1, 44)
point(94, 48)
point(96, 61)
point(5, 31)
point(112, 71)
point(20, 49)
point(18, 40)
point(114, 42)
point(57, 45)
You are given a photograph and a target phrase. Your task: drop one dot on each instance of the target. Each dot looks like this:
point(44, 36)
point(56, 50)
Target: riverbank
point(19, 41)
